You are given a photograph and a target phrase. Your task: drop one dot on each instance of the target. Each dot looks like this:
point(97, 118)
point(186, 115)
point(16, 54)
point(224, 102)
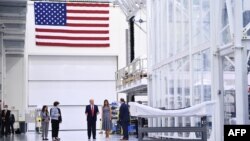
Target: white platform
point(133, 86)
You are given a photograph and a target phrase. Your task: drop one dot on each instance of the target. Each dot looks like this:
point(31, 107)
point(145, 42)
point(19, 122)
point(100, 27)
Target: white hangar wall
point(73, 75)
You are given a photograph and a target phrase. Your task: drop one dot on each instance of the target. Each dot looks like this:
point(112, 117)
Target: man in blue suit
point(124, 118)
point(91, 112)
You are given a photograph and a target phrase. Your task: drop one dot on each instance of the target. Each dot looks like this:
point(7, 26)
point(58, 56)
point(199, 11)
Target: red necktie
point(92, 110)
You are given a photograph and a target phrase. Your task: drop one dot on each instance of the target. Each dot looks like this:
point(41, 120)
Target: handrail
point(133, 72)
point(203, 129)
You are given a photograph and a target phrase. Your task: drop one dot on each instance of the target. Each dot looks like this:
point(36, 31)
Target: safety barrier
point(202, 129)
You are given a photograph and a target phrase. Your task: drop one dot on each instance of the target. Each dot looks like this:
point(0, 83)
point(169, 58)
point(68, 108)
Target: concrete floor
point(65, 136)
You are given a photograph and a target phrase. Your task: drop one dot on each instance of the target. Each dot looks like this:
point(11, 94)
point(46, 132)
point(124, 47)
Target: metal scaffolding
point(198, 51)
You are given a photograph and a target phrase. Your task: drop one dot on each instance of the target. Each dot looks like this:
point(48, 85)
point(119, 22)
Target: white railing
point(135, 71)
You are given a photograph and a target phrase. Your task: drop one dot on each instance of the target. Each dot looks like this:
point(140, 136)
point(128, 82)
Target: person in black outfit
point(12, 121)
point(91, 112)
point(124, 118)
point(56, 119)
point(5, 129)
point(0, 121)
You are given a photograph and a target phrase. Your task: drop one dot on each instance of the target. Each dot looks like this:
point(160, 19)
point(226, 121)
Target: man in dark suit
point(5, 129)
point(91, 112)
point(124, 118)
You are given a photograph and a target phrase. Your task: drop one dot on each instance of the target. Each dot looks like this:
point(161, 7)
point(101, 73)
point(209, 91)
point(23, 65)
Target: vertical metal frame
point(235, 25)
point(3, 67)
point(174, 31)
point(217, 73)
point(191, 73)
point(240, 55)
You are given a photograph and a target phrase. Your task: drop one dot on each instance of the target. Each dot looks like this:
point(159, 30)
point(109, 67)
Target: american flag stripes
point(72, 24)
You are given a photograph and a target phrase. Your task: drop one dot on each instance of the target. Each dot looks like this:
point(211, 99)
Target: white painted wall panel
point(72, 68)
point(70, 92)
point(71, 80)
point(73, 118)
point(15, 96)
point(76, 119)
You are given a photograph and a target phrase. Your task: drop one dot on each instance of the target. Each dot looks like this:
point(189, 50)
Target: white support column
point(1, 46)
point(163, 94)
point(183, 105)
point(163, 32)
point(3, 72)
point(183, 18)
point(167, 30)
point(175, 76)
point(174, 63)
point(240, 67)
point(150, 58)
point(217, 73)
point(217, 95)
point(191, 73)
point(175, 28)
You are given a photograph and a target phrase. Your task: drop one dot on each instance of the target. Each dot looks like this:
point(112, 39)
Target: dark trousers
point(5, 129)
point(137, 126)
point(125, 129)
point(12, 127)
point(91, 127)
point(55, 128)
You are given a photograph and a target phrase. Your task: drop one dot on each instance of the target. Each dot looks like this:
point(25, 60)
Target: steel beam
point(216, 71)
point(202, 129)
point(3, 64)
point(240, 54)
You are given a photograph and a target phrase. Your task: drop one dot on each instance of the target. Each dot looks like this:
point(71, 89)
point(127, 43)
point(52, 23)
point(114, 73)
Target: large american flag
point(72, 24)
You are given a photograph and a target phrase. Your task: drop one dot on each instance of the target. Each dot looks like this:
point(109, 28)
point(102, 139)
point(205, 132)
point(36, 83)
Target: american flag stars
point(50, 14)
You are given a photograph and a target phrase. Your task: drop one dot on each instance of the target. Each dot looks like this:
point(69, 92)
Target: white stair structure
point(133, 78)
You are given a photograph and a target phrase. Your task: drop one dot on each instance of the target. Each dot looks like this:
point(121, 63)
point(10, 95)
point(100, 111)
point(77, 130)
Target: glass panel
point(225, 30)
point(196, 22)
point(229, 89)
point(171, 28)
point(178, 28)
point(202, 77)
point(186, 24)
point(246, 14)
point(201, 22)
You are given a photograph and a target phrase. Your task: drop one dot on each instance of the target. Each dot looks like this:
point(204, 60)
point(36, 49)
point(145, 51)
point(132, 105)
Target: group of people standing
point(56, 118)
point(91, 112)
point(7, 120)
